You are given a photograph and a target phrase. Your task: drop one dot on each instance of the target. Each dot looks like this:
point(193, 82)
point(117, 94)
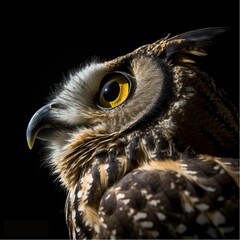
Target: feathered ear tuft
point(193, 42)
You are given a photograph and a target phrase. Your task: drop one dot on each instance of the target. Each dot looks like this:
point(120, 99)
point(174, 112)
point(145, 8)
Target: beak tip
point(30, 142)
point(30, 146)
point(30, 136)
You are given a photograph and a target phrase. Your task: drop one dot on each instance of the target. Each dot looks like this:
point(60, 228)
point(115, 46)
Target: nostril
point(57, 105)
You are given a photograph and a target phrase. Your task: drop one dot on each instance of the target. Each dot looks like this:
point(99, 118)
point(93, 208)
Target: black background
point(41, 43)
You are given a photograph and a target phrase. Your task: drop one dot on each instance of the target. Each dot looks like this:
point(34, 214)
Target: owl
point(145, 144)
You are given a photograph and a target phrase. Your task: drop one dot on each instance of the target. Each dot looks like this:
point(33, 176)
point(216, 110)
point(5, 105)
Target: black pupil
point(111, 91)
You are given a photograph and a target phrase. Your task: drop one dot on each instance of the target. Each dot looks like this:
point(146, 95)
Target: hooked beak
point(39, 123)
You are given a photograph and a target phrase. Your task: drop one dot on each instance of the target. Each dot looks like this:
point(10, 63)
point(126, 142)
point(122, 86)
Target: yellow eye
point(114, 90)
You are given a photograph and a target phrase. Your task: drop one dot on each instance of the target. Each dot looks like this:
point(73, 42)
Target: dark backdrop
point(41, 43)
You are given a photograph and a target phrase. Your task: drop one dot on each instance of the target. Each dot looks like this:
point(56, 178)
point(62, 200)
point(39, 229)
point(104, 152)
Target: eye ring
point(114, 90)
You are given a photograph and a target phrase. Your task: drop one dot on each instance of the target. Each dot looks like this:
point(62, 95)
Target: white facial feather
point(79, 92)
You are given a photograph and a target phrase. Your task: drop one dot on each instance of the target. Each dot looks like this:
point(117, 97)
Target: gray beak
point(39, 122)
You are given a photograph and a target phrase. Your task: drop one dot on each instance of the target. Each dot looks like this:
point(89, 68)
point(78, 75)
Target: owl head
point(151, 101)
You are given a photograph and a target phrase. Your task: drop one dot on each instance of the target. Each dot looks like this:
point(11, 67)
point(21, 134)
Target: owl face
point(106, 97)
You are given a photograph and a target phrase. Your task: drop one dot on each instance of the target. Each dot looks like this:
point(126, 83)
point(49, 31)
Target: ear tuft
point(194, 42)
